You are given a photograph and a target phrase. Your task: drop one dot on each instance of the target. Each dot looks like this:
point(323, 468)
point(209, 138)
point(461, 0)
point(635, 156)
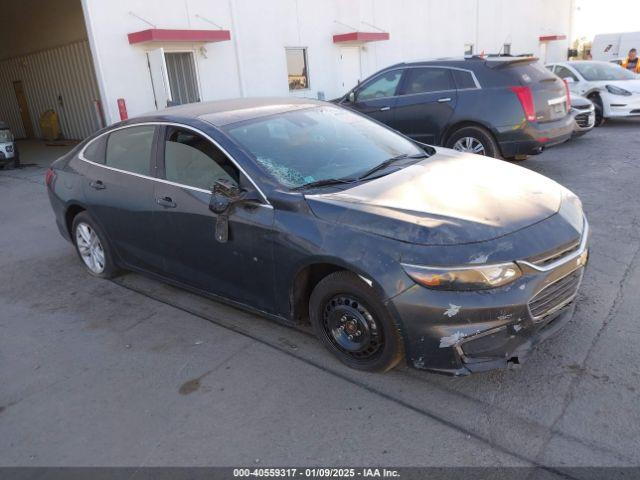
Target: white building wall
point(253, 62)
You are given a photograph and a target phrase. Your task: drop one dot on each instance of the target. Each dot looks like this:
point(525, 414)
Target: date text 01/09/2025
point(316, 472)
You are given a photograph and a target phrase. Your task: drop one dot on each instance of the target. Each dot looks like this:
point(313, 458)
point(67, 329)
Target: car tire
point(597, 103)
point(352, 323)
point(467, 139)
point(92, 246)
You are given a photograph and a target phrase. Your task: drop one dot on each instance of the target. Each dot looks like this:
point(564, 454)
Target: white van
point(614, 47)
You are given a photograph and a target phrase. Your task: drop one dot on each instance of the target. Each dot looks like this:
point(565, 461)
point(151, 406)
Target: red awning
point(550, 38)
point(166, 35)
point(360, 37)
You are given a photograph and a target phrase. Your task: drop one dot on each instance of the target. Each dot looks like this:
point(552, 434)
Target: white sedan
point(614, 91)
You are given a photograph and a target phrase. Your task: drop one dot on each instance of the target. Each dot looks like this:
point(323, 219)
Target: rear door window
point(464, 80)
point(95, 150)
point(129, 149)
point(426, 80)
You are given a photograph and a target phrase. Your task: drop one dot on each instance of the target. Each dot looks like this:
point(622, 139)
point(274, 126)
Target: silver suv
point(8, 151)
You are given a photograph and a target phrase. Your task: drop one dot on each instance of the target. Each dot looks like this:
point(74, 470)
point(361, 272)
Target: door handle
point(384, 109)
point(444, 99)
point(166, 202)
point(98, 185)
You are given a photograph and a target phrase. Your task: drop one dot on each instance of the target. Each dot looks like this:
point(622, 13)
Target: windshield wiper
point(390, 161)
point(325, 182)
point(337, 181)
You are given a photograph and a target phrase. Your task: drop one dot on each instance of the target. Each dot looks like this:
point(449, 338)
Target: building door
point(159, 78)
point(24, 108)
point(183, 82)
point(350, 71)
point(543, 52)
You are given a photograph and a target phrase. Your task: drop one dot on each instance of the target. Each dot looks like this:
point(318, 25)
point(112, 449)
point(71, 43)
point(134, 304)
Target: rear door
point(377, 97)
point(119, 192)
point(240, 269)
point(426, 103)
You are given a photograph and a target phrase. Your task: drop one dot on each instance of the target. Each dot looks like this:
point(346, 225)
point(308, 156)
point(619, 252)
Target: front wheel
point(474, 140)
point(353, 324)
point(92, 246)
point(597, 103)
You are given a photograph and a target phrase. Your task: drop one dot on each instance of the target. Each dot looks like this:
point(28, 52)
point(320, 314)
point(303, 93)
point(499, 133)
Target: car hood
point(632, 86)
point(447, 199)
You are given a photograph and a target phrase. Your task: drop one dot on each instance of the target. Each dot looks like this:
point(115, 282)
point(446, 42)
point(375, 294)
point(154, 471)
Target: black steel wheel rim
point(351, 328)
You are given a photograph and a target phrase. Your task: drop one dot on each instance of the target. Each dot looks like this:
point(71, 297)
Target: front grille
point(556, 295)
point(553, 255)
point(582, 119)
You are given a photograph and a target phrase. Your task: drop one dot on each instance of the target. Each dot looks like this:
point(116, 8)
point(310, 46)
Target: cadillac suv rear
point(507, 107)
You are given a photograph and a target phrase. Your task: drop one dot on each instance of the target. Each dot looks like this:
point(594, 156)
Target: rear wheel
point(474, 139)
point(353, 324)
point(92, 246)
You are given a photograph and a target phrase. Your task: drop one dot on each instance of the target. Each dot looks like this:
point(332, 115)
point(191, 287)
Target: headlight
point(478, 277)
point(617, 90)
point(571, 210)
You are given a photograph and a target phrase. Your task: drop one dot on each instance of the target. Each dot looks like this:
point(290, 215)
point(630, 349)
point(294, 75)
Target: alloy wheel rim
point(470, 145)
point(351, 328)
point(90, 248)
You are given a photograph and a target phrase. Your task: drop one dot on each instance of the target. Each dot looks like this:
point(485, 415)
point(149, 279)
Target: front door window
point(383, 86)
point(191, 160)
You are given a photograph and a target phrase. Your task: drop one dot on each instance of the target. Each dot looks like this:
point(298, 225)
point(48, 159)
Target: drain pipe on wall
point(236, 44)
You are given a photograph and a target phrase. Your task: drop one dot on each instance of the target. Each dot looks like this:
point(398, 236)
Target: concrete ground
point(133, 372)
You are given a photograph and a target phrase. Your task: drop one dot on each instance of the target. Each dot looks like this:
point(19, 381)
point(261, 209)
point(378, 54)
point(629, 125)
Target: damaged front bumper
point(458, 333)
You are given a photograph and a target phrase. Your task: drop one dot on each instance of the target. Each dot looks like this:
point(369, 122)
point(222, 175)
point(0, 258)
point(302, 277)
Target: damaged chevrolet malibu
point(306, 212)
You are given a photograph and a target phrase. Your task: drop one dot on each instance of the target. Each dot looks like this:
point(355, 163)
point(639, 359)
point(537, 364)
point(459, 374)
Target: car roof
point(468, 63)
point(3, 126)
point(224, 112)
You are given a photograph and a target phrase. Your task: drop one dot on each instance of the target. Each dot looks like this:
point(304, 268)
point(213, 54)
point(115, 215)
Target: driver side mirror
point(351, 97)
point(224, 196)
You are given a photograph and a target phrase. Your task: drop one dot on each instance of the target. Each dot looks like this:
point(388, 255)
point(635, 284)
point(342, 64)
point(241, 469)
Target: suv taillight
point(526, 100)
point(566, 87)
point(49, 176)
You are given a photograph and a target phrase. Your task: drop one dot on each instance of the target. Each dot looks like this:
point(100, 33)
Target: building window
point(468, 49)
point(297, 68)
point(181, 70)
point(506, 49)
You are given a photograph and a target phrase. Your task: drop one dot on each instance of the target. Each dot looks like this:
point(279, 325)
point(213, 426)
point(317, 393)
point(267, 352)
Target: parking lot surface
point(132, 372)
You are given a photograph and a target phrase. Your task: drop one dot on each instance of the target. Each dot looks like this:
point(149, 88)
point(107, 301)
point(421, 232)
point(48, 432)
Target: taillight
point(526, 100)
point(49, 176)
point(566, 87)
